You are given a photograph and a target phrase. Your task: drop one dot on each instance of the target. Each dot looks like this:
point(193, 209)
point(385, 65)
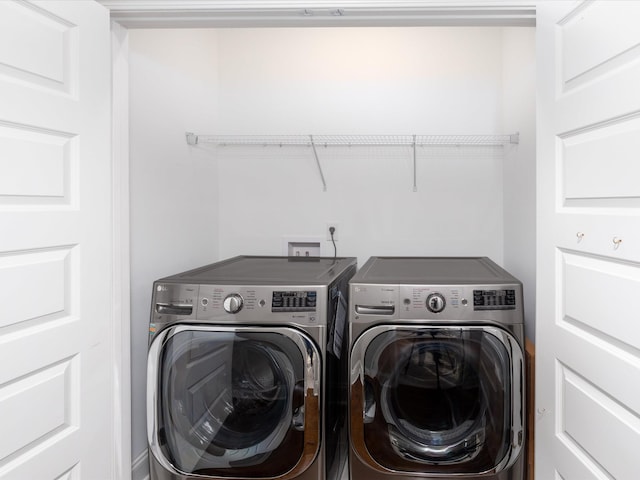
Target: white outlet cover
point(290, 239)
point(303, 249)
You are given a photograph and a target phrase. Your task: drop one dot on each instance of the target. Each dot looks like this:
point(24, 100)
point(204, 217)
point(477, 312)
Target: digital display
point(494, 299)
point(294, 301)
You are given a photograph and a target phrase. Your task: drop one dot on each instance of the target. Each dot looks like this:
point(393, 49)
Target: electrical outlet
point(303, 249)
point(335, 232)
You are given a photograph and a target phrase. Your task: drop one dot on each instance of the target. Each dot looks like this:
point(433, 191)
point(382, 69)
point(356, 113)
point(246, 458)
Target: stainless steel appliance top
point(260, 270)
point(432, 271)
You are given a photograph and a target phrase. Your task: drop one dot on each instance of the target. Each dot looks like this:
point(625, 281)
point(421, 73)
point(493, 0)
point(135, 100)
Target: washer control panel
point(437, 302)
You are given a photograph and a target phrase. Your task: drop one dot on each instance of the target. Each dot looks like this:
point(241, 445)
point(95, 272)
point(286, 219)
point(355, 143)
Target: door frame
point(316, 13)
point(121, 290)
point(127, 14)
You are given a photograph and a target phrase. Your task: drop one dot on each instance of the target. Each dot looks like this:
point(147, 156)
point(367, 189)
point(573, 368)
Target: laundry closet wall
point(193, 205)
point(361, 81)
point(519, 114)
point(173, 189)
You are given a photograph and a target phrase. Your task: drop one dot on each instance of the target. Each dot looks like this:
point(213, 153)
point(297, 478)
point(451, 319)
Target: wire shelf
point(315, 141)
point(352, 140)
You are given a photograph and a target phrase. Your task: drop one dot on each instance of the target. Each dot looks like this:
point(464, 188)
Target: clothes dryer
point(436, 370)
point(246, 374)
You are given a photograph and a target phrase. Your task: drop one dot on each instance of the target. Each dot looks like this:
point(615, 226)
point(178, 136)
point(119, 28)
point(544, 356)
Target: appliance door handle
point(375, 309)
point(297, 421)
point(174, 308)
point(369, 405)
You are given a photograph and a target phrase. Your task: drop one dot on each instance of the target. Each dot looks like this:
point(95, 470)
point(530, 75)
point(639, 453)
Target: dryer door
point(438, 400)
point(233, 402)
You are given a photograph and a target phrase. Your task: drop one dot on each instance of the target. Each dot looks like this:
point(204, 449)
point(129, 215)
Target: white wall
point(519, 114)
point(174, 189)
point(193, 205)
point(361, 81)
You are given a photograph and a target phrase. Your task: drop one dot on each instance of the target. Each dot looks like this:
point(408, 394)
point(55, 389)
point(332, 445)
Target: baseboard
point(140, 467)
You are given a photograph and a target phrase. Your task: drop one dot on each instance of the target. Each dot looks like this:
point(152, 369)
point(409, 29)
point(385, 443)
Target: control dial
point(233, 303)
point(435, 303)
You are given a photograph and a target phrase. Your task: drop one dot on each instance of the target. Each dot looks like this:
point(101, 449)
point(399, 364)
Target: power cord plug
point(332, 230)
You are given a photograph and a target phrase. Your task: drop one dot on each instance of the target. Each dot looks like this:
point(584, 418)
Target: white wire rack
point(347, 140)
point(313, 141)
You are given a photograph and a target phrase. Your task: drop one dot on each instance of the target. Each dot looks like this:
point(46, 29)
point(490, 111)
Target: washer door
point(437, 400)
point(233, 402)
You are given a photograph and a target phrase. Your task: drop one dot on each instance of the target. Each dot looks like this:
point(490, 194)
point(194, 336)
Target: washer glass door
point(233, 401)
point(437, 400)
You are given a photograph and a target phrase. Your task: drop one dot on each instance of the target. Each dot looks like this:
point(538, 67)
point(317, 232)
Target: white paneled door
point(588, 329)
point(55, 241)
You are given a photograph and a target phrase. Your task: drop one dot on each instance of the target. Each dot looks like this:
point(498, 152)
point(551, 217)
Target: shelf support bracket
point(192, 138)
point(415, 182)
point(315, 154)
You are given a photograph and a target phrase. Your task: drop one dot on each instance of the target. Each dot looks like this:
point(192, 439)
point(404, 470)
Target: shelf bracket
point(315, 154)
point(192, 138)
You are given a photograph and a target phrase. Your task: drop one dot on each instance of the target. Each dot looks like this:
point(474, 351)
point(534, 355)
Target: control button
point(435, 303)
point(464, 302)
point(262, 303)
point(233, 303)
point(204, 302)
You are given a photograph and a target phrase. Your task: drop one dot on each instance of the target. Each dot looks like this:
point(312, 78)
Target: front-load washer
point(436, 370)
point(247, 372)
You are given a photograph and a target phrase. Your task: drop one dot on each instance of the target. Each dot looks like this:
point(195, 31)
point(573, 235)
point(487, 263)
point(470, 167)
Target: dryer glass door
point(233, 402)
point(438, 400)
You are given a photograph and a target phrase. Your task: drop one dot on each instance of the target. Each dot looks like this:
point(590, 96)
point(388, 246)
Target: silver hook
point(616, 242)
